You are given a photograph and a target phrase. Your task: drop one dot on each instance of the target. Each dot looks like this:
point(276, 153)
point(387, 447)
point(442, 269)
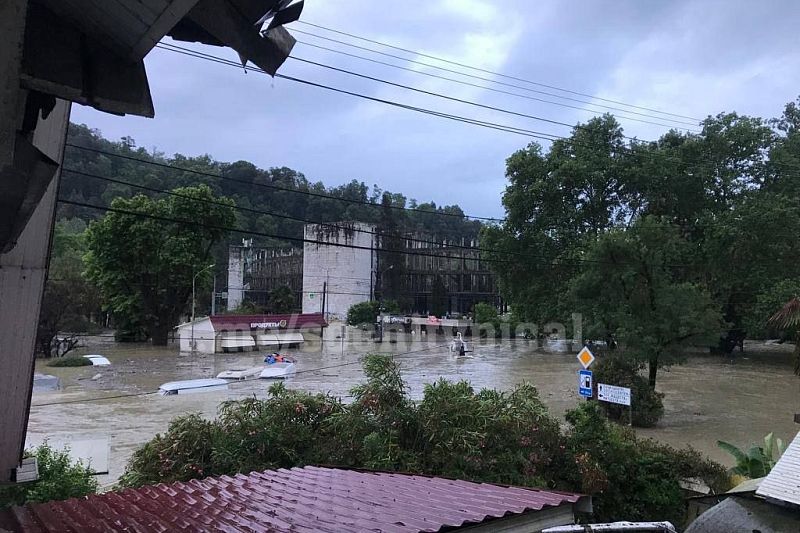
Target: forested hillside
point(251, 188)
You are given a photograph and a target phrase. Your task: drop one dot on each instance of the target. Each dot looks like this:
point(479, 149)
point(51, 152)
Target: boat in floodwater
point(460, 348)
point(191, 386)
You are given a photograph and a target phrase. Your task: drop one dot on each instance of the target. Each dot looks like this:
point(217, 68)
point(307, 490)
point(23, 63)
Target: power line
point(268, 235)
point(523, 88)
point(510, 129)
point(446, 97)
point(491, 125)
point(414, 89)
point(572, 262)
point(539, 84)
point(404, 251)
point(442, 245)
point(478, 86)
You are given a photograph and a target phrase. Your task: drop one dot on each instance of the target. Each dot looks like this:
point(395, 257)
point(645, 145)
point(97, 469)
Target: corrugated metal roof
point(783, 481)
point(299, 500)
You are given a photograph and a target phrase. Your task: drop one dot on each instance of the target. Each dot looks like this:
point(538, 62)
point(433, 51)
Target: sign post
point(585, 383)
point(585, 358)
point(617, 395)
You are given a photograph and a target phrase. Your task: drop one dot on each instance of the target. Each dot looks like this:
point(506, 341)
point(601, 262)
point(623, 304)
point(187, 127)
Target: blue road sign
point(585, 383)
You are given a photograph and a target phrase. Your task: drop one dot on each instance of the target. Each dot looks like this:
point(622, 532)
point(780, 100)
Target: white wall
point(204, 336)
point(349, 272)
point(236, 264)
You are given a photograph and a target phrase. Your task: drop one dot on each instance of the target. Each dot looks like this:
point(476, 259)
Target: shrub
point(647, 404)
point(59, 479)
point(634, 479)
point(362, 313)
point(367, 312)
point(454, 431)
point(70, 361)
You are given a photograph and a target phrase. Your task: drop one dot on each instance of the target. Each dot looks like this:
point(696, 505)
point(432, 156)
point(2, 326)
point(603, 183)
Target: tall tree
point(69, 301)
point(634, 286)
point(145, 266)
point(554, 202)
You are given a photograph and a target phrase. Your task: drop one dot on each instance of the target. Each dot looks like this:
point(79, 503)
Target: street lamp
point(380, 300)
point(194, 279)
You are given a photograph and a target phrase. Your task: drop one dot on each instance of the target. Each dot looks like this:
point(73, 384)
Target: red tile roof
point(298, 500)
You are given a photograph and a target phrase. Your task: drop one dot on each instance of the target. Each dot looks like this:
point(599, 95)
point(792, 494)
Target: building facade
point(342, 265)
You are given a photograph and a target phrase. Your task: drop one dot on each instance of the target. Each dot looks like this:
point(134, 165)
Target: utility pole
point(214, 296)
point(194, 279)
point(324, 297)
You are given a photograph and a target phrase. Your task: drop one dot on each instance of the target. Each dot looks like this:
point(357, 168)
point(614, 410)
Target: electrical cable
point(464, 65)
point(509, 129)
point(681, 120)
point(492, 89)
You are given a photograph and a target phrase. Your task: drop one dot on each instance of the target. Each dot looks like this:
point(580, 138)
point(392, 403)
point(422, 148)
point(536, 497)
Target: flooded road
point(707, 399)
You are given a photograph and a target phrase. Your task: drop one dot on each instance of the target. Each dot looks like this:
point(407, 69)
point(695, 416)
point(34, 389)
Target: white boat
point(191, 386)
point(460, 347)
point(278, 370)
point(241, 373)
point(98, 360)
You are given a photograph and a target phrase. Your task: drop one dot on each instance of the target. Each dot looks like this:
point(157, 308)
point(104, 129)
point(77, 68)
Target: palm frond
point(787, 316)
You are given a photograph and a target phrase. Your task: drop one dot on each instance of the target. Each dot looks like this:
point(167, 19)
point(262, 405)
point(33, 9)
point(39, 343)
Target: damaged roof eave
point(91, 51)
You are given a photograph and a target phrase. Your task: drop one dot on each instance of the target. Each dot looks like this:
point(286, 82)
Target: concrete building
point(339, 275)
point(341, 265)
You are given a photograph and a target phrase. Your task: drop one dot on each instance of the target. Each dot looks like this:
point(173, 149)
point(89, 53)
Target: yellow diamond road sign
point(585, 357)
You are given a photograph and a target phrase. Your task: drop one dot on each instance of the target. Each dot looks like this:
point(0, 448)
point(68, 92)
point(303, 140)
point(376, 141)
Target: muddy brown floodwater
point(706, 399)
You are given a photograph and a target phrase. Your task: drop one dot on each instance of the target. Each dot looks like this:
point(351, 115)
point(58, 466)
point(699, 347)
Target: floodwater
point(706, 399)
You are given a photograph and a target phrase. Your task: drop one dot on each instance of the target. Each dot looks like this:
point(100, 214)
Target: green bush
point(59, 479)
point(647, 404)
point(362, 313)
point(70, 361)
point(367, 312)
point(633, 479)
point(453, 431)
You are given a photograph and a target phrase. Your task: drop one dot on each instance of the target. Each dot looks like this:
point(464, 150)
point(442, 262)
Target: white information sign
point(613, 394)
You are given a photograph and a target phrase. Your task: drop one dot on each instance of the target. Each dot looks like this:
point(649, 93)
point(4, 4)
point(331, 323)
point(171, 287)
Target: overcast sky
point(692, 58)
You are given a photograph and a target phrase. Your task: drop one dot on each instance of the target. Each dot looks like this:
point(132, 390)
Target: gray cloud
point(694, 58)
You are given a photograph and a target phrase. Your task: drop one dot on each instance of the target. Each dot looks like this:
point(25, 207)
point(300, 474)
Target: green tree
point(634, 287)
point(282, 300)
point(69, 301)
point(363, 313)
point(144, 266)
point(554, 202)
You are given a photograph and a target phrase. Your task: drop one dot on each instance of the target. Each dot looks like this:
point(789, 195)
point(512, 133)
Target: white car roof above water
point(193, 384)
point(98, 360)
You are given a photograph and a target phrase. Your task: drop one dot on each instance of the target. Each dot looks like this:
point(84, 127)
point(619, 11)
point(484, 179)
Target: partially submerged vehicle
point(98, 360)
point(278, 370)
point(192, 386)
point(241, 373)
